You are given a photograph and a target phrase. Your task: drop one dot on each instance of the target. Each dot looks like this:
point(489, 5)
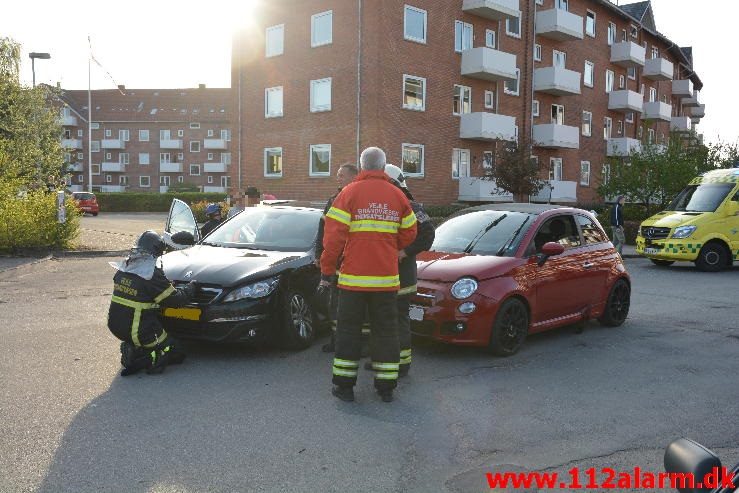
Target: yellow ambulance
point(701, 224)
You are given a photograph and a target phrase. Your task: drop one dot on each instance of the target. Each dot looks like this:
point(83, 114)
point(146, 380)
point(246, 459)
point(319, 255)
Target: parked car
point(86, 202)
point(256, 275)
point(496, 273)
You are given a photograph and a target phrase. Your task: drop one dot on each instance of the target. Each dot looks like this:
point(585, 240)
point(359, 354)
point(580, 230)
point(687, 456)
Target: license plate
point(652, 251)
point(183, 313)
point(415, 313)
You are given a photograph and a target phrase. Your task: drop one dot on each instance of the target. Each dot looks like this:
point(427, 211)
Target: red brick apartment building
point(145, 140)
point(439, 84)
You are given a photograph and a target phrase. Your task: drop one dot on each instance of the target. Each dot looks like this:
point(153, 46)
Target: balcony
point(657, 110)
point(682, 88)
point(170, 143)
point(487, 126)
point(658, 69)
point(75, 188)
point(622, 146)
point(214, 167)
point(113, 144)
point(488, 64)
point(218, 144)
point(557, 191)
point(559, 25)
point(628, 54)
point(496, 10)
point(212, 189)
point(170, 167)
point(75, 168)
point(691, 101)
point(69, 121)
point(556, 80)
point(113, 168)
point(625, 101)
point(163, 188)
point(680, 124)
point(112, 188)
point(71, 144)
point(476, 189)
point(556, 136)
point(698, 111)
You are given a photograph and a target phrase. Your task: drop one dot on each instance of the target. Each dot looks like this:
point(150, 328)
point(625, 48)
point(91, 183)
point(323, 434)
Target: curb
point(89, 253)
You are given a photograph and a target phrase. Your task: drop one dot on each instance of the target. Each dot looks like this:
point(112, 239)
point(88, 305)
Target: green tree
point(515, 172)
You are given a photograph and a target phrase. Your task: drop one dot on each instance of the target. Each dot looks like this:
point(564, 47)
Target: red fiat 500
point(497, 273)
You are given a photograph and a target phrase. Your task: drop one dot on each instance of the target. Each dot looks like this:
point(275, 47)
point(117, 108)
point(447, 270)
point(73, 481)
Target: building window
point(180, 133)
point(80, 178)
point(123, 180)
point(226, 158)
point(585, 173)
point(655, 52)
point(143, 135)
point(210, 156)
point(590, 24)
point(562, 4)
point(462, 100)
point(607, 127)
point(537, 52)
point(621, 81)
point(414, 24)
point(589, 74)
point(273, 162)
point(321, 30)
point(226, 134)
point(634, 31)
point(144, 181)
point(631, 71)
point(535, 108)
point(210, 178)
point(165, 135)
point(606, 171)
point(95, 169)
point(123, 158)
point(620, 127)
point(164, 180)
point(144, 158)
point(80, 155)
point(641, 90)
point(611, 33)
point(513, 26)
point(490, 38)
point(95, 146)
point(511, 87)
point(165, 158)
point(460, 163)
point(462, 36)
point(630, 117)
point(273, 102)
point(194, 146)
point(194, 170)
point(108, 132)
point(180, 156)
point(108, 178)
point(320, 95)
point(652, 94)
point(587, 123)
point(558, 114)
point(412, 159)
point(414, 93)
point(275, 41)
point(180, 179)
point(609, 80)
point(489, 100)
point(623, 34)
point(80, 133)
point(320, 160)
point(225, 181)
point(210, 132)
point(650, 136)
point(108, 156)
point(555, 168)
point(194, 125)
point(559, 58)
point(487, 160)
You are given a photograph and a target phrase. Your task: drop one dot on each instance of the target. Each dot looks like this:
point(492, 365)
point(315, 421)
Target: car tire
point(617, 305)
point(662, 263)
point(510, 328)
point(713, 257)
point(298, 321)
point(94, 213)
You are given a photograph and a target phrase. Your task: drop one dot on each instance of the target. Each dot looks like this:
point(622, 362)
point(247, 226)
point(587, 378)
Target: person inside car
point(213, 213)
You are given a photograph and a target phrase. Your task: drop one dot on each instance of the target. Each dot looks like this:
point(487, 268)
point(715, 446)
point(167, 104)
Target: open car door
point(180, 219)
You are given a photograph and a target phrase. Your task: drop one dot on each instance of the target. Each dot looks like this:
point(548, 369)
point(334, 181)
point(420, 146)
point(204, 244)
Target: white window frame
point(508, 28)
point(422, 148)
point(488, 160)
point(210, 132)
point(80, 133)
point(589, 132)
point(210, 156)
point(226, 134)
point(180, 133)
point(610, 80)
point(195, 125)
point(621, 81)
point(81, 178)
point(423, 87)
point(225, 181)
point(518, 85)
point(489, 100)
point(225, 158)
point(197, 147)
point(124, 158)
point(591, 82)
point(406, 36)
point(310, 160)
point(108, 178)
point(108, 156)
point(651, 136)
point(123, 180)
point(585, 173)
point(267, 150)
point(195, 167)
point(655, 52)
point(653, 94)
point(634, 31)
point(490, 34)
point(631, 72)
point(620, 127)
point(326, 107)
point(612, 36)
point(630, 117)
point(95, 146)
point(180, 179)
point(560, 56)
point(535, 107)
point(313, 18)
point(457, 162)
point(165, 180)
point(464, 90)
point(80, 156)
point(557, 114)
point(144, 135)
point(108, 132)
point(144, 158)
point(274, 52)
point(165, 158)
point(144, 181)
point(592, 35)
point(555, 169)
point(562, 5)
point(607, 128)
point(180, 157)
point(463, 31)
point(210, 179)
point(537, 52)
point(165, 134)
point(274, 90)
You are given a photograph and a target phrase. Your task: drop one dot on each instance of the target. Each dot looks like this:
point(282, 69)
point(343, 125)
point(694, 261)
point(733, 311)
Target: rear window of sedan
point(483, 232)
point(83, 196)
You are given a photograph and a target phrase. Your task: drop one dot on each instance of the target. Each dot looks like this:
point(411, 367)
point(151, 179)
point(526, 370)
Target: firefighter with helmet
point(213, 213)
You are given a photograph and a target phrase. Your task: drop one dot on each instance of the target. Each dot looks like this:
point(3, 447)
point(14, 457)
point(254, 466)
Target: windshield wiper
point(513, 237)
point(479, 235)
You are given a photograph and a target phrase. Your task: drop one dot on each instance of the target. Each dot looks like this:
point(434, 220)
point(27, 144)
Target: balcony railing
point(628, 54)
point(487, 127)
point(657, 110)
point(658, 69)
point(488, 64)
point(112, 167)
point(213, 189)
point(163, 188)
point(682, 88)
point(170, 167)
point(559, 25)
point(170, 143)
point(71, 144)
point(496, 10)
point(625, 101)
point(691, 101)
point(622, 146)
point(75, 168)
point(698, 111)
point(214, 167)
point(113, 144)
point(557, 80)
point(680, 124)
point(475, 189)
point(556, 136)
point(557, 191)
point(215, 144)
point(113, 188)
point(69, 121)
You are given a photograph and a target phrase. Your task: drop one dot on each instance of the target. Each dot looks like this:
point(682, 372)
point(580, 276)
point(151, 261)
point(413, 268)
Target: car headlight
point(683, 231)
point(464, 288)
point(253, 291)
point(638, 232)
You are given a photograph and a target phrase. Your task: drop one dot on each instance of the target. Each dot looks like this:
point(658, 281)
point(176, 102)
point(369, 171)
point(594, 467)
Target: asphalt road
point(240, 420)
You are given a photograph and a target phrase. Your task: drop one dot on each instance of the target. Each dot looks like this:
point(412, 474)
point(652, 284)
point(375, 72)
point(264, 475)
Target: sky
point(168, 44)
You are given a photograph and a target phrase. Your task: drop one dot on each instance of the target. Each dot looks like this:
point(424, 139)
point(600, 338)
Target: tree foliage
point(515, 172)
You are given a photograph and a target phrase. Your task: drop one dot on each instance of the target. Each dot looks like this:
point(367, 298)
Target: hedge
point(151, 202)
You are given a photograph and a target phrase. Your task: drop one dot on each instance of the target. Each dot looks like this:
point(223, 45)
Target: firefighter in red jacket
point(370, 221)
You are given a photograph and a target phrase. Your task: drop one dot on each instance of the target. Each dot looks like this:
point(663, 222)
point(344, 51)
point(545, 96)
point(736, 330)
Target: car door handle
point(588, 265)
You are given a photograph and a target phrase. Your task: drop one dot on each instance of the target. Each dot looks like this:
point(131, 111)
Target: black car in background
point(256, 275)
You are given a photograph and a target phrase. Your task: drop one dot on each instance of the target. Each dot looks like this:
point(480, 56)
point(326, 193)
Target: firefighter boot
point(133, 359)
point(346, 394)
point(386, 395)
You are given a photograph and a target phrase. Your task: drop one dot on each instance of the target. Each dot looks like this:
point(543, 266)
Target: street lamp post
point(33, 56)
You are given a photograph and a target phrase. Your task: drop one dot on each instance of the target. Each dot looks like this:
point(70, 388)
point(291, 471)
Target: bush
point(31, 221)
point(151, 202)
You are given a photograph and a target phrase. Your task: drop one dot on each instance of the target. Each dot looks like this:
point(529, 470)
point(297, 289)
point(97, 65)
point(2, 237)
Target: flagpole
point(89, 118)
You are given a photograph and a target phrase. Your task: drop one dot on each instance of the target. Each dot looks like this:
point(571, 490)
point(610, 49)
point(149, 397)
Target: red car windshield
point(482, 233)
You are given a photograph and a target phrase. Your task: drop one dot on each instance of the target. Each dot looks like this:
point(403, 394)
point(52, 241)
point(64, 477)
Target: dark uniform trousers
point(404, 331)
point(381, 307)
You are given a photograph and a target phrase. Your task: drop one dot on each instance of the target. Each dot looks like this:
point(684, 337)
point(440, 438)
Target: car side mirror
point(550, 249)
point(684, 456)
point(184, 238)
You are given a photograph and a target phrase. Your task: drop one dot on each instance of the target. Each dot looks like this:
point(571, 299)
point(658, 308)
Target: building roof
point(152, 105)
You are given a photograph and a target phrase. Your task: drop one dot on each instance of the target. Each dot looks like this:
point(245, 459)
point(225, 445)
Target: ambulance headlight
point(683, 231)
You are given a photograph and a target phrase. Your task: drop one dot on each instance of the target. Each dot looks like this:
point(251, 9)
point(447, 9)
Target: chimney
point(201, 86)
point(121, 87)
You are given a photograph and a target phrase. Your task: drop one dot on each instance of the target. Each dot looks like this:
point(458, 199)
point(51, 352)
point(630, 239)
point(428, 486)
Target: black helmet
point(151, 242)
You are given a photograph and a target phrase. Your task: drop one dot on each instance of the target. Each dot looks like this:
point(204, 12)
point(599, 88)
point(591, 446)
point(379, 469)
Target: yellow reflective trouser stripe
point(374, 226)
point(386, 375)
point(339, 215)
point(164, 294)
point(158, 340)
point(133, 304)
point(365, 328)
point(408, 290)
point(345, 363)
point(369, 281)
point(405, 353)
point(408, 221)
point(385, 366)
point(137, 308)
point(344, 373)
